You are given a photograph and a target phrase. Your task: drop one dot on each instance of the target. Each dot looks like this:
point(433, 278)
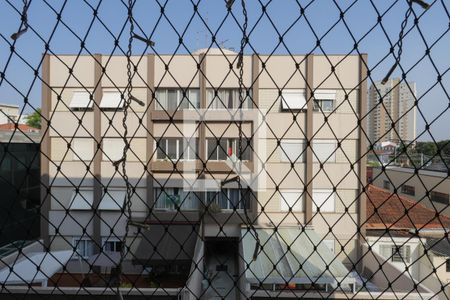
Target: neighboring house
point(409, 236)
point(8, 113)
point(429, 188)
point(18, 128)
point(398, 106)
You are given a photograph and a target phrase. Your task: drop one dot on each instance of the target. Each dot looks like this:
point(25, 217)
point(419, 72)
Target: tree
point(34, 119)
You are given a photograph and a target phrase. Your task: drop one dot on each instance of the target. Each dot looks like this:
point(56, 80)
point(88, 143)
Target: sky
point(283, 17)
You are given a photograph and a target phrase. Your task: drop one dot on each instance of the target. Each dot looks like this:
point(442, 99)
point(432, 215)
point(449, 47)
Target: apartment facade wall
point(421, 183)
point(341, 175)
point(397, 107)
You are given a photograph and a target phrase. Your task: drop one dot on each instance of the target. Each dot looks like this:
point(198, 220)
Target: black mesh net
point(224, 149)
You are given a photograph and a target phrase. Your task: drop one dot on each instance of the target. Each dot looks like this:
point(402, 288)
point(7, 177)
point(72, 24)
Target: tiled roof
point(21, 127)
point(385, 209)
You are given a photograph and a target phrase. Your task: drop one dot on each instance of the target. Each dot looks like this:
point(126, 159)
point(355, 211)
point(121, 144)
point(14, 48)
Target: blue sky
point(320, 15)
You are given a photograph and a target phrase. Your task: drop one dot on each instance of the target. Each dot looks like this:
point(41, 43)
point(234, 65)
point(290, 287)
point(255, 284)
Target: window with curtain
point(228, 148)
point(174, 198)
point(230, 199)
point(228, 99)
point(176, 99)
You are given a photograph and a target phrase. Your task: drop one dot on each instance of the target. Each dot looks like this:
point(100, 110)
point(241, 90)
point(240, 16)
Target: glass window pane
point(212, 149)
point(223, 200)
point(194, 98)
point(161, 149)
point(172, 148)
point(184, 101)
point(327, 105)
point(223, 150)
point(161, 100)
point(172, 99)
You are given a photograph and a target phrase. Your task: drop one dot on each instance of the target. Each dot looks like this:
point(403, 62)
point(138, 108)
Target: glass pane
point(172, 98)
point(161, 149)
point(223, 150)
point(234, 198)
point(210, 99)
point(172, 148)
point(194, 98)
point(212, 149)
point(223, 200)
point(327, 105)
point(161, 100)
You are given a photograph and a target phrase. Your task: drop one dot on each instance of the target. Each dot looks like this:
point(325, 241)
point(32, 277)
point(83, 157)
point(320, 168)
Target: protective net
point(224, 149)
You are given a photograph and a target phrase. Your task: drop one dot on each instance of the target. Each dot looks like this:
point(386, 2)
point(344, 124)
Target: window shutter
point(113, 149)
point(325, 199)
point(293, 99)
point(82, 200)
point(81, 99)
point(113, 200)
point(292, 199)
point(111, 100)
point(83, 149)
point(292, 151)
point(324, 151)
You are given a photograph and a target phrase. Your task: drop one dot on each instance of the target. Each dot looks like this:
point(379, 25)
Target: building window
point(112, 100)
point(174, 198)
point(447, 265)
point(113, 199)
point(230, 198)
point(228, 148)
point(396, 253)
point(112, 149)
point(324, 151)
point(228, 99)
point(324, 101)
point(293, 99)
point(439, 197)
point(176, 148)
point(112, 245)
point(408, 190)
point(292, 151)
point(83, 149)
point(329, 244)
point(291, 200)
point(84, 246)
point(324, 199)
point(386, 184)
point(82, 200)
point(176, 99)
point(81, 100)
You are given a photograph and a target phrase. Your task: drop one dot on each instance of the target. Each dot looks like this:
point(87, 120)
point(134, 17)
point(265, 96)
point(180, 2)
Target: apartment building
point(429, 188)
point(301, 139)
point(397, 107)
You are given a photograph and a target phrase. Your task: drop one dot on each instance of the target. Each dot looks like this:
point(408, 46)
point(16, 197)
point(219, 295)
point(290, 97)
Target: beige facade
point(397, 107)
point(430, 188)
point(82, 142)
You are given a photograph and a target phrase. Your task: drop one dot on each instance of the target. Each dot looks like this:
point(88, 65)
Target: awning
point(111, 100)
point(164, 243)
point(26, 270)
point(105, 259)
point(292, 252)
point(81, 99)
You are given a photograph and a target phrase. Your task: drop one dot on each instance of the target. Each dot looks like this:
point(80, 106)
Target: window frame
point(214, 102)
point(284, 205)
point(218, 199)
point(439, 197)
point(408, 190)
point(113, 240)
point(234, 145)
point(331, 196)
point(86, 241)
point(188, 155)
point(285, 104)
point(180, 98)
point(183, 199)
point(285, 157)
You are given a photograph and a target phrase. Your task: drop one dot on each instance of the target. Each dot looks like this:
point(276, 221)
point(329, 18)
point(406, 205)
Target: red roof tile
point(385, 209)
point(21, 127)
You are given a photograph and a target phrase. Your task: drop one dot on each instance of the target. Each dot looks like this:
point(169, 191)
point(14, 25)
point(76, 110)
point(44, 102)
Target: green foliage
point(34, 119)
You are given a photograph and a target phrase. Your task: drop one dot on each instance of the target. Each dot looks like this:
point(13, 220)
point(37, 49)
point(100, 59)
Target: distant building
point(401, 231)
point(430, 188)
point(398, 106)
point(9, 113)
